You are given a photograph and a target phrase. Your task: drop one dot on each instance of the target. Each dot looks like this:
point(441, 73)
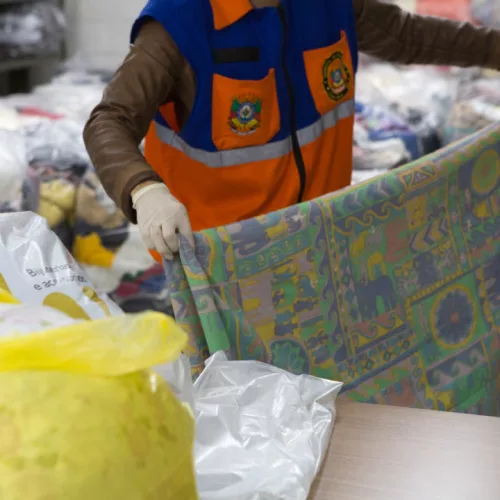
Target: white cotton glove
point(161, 219)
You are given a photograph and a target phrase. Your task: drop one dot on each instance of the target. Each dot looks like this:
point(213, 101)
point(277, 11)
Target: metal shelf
point(15, 2)
point(20, 74)
point(28, 62)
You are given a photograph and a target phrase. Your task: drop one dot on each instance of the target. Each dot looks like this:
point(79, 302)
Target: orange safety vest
point(272, 123)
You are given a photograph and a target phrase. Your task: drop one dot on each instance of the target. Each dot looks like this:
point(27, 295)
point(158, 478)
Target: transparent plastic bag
point(83, 416)
point(31, 192)
point(261, 432)
point(58, 158)
point(57, 196)
point(9, 119)
point(178, 376)
point(70, 96)
point(78, 70)
point(19, 184)
point(13, 170)
point(71, 99)
point(56, 142)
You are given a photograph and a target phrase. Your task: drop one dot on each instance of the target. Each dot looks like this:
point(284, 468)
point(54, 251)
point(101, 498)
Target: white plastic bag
point(262, 433)
point(20, 320)
point(36, 269)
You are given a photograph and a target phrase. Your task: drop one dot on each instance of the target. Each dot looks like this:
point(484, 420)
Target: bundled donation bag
point(36, 268)
point(81, 414)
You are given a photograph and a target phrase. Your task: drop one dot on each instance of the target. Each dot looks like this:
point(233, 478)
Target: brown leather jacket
point(154, 72)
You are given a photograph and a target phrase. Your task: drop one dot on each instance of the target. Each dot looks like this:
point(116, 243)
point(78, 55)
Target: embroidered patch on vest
point(336, 77)
point(245, 115)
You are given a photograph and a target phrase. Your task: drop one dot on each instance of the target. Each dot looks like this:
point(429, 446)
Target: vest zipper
point(297, 153)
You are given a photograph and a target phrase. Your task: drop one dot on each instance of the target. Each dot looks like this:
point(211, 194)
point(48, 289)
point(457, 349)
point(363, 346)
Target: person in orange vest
point(248, 105)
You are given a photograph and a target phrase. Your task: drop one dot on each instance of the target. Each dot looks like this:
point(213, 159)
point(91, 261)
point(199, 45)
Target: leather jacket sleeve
point(386, 31)
point(116, 127)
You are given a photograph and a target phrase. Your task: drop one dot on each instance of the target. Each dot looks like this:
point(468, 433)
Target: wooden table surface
point(390, 453)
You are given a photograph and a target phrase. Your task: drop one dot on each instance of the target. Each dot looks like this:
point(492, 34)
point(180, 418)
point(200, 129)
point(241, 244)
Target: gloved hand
point(161, 219)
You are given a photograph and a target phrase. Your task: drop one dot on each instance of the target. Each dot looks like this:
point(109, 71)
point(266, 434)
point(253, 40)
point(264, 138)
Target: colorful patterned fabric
point(391, 286)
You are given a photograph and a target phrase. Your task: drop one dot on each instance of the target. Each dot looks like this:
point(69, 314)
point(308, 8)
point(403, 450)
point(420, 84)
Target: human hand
point(161, 219)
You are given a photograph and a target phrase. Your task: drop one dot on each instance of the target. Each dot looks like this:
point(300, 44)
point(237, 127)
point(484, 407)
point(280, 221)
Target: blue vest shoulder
point(187, 22)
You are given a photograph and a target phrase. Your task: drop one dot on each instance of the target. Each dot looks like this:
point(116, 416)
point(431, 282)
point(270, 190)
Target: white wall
point(99, 29)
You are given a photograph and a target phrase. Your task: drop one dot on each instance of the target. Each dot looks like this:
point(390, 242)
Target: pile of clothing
point(401, 115)
point(477, 105)
point(45, 168)
point(404, 113)
point(486, 12)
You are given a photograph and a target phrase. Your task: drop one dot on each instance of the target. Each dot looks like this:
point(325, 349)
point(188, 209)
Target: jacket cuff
point(126, 197)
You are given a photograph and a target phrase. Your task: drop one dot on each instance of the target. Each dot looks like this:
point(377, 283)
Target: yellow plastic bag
point(82, 416)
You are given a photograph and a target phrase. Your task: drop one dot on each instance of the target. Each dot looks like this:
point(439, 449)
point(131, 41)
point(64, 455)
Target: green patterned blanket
point(392, 286)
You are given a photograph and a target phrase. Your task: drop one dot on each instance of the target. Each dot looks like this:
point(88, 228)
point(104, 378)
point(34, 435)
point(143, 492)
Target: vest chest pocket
point(330, 75)
point(244, 112)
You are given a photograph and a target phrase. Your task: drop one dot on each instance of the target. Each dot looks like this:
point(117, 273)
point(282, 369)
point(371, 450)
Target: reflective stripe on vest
point(269, 151)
